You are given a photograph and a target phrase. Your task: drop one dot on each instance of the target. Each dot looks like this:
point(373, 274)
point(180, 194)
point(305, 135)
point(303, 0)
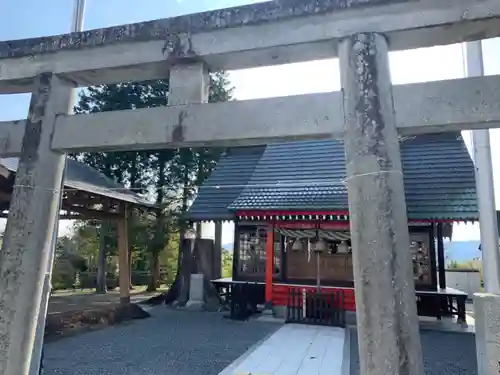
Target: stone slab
point(487, 319)
point(311, 350)
point(196, 292)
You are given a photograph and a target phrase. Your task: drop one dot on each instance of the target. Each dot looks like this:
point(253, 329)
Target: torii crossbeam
point(368, 114)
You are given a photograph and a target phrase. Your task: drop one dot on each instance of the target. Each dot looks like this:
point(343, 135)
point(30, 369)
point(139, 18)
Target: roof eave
point(229, 216)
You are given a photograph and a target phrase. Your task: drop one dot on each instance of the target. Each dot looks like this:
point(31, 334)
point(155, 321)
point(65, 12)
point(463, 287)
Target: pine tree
point(161, 173)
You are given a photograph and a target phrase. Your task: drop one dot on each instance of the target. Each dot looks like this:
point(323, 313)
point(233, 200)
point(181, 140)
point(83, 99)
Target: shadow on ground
point(444, 353)
point(79, 301)
point(170, 342)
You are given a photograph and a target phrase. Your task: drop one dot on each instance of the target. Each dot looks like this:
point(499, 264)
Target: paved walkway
point(169, 343)
point(294, 350)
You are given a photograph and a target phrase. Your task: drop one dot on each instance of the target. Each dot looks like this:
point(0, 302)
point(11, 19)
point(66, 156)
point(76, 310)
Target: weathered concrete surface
point(168, 343)
point(27, 244)
point(255, 35)
point(11, 137)
point(470, 103)
point(451, 105)
point(487, 319)
point(234, 123)
point(454, 105)
point(169, 28)
point(389, 339)
point(189, 83)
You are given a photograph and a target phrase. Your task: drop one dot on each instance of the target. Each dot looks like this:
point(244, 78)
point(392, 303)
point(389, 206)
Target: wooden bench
point(440, 303)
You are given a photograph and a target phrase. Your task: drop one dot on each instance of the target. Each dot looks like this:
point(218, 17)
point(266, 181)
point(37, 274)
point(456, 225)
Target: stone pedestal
point(196, 292)
point(487, 319)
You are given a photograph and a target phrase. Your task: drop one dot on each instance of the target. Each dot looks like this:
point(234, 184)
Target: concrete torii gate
point(369, 114)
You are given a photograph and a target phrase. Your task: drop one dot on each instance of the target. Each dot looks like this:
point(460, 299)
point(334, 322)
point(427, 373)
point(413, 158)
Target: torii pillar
point(388, 332)
point(33, 213)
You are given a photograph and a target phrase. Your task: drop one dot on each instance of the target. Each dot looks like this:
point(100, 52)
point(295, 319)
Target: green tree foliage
point(68, 261)
point(227, 263)
point(170, 177)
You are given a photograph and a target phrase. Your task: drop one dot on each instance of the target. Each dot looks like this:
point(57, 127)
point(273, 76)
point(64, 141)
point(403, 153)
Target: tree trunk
point(133, 184)
point(131, 219)
point(101, 263)
point(189, 260)
point(185, 251)
point(177, 289)
point(193, 261)
point(130, 266)
point(159, 235)
point(101, 286)
point(184, 271)
point(155, 267)
point(157, 271)
point(158, 244)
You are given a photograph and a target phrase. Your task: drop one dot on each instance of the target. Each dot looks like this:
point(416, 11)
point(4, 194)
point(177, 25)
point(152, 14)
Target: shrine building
point(289, 205)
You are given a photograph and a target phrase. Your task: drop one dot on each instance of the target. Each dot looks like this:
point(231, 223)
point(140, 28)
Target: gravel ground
point(169, 343)
point(444, 353)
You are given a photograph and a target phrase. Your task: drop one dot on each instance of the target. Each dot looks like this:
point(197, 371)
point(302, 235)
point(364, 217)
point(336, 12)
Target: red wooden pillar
point(269, 265)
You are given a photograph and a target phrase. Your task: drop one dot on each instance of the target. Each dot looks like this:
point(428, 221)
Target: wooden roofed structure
point(310, 175)
point(87, 193)
point(285, 196)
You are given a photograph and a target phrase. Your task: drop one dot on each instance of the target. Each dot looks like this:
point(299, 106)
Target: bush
point(63, 275)
point(88, 280)
point(140, 277)
point(111, 282)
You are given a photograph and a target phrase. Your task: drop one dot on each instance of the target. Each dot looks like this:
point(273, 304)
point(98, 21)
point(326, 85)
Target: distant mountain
point(462, 251)
point(228, 246)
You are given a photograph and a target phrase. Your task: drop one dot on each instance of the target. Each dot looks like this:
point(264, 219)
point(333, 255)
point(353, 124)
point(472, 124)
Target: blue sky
point(30, 18)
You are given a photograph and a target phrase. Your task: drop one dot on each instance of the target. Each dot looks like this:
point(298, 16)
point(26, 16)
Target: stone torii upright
point(369, 114)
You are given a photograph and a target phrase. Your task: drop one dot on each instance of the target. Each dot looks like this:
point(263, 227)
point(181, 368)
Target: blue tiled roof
point(438, 176)
point(225, 184)
point(297, 175)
